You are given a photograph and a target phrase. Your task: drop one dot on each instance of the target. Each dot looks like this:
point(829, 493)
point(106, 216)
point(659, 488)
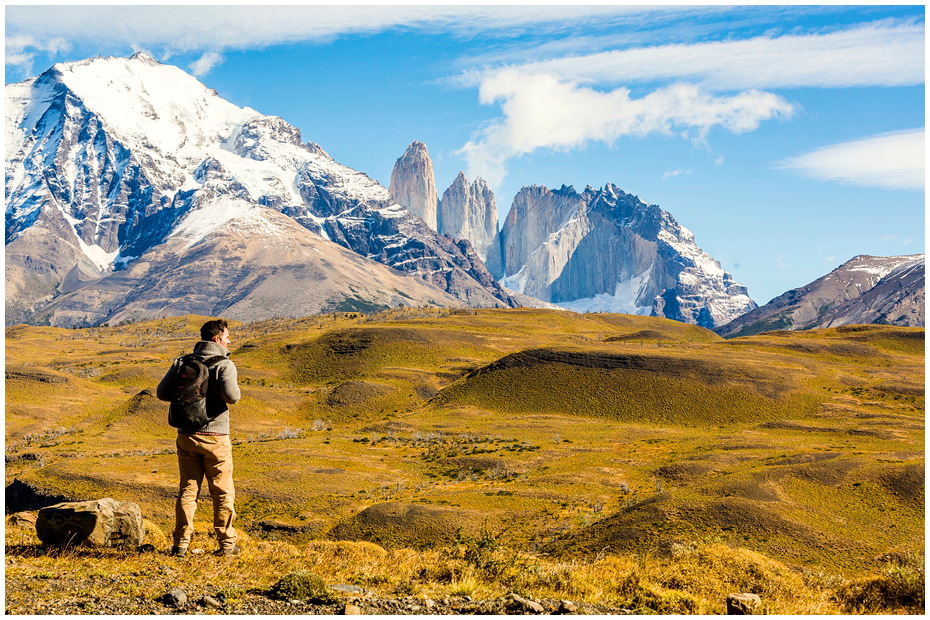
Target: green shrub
point(303, 585)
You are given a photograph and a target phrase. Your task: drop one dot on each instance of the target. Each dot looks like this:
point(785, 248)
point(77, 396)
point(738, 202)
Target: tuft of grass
point(303, 585)
point(900, 586)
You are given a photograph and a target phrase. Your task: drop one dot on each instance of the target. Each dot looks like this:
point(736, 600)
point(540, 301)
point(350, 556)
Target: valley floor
point(610, 460)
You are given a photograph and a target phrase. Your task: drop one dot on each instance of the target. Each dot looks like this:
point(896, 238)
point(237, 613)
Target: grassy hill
point(569, 437)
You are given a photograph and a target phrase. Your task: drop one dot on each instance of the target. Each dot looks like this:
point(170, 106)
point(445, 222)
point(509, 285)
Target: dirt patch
point(796, 426)
point(35, 374)
point(829, 473)
point(814, 457)
point(355, 393)
point(755, 490)
point(906, 482)
point(838, 349)
point(344, 342)
point(683, 472)
point(396, 524)
point(646, 334)
point(674, 367)
point(628, 529)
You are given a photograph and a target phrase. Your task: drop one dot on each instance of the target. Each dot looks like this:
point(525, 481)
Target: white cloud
point(205, 63)
point(829, 259)
point(17, 53)
point(190, 28)
point(879, 54)
point(675, 173)
point(890, 161)
point(544, 111)
point(907, 242)
point(718, 161)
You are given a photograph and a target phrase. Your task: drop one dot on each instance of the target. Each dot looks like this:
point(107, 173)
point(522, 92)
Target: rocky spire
point(413, 183)
point(469, 212)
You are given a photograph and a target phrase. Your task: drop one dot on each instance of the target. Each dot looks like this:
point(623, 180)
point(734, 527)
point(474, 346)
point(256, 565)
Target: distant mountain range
point(601, 250)
point(867, 289)
point(121, 172)
point(133, 191)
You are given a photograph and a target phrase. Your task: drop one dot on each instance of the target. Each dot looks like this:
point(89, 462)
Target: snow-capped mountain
point(109, 158)
point(865, 289)
point(608, 251)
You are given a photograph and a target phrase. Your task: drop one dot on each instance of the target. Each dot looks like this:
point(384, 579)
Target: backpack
point(191, 377)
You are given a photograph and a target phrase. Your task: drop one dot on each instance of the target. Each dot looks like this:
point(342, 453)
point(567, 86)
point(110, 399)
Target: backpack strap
point(210, 361)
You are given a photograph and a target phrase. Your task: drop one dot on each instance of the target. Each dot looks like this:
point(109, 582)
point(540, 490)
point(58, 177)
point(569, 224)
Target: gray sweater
point(223, 389)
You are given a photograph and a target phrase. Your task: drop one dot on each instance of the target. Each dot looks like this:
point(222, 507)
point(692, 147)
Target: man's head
point(216, 331)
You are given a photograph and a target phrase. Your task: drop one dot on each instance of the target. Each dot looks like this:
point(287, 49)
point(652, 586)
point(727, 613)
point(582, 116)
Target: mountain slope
point(107, 157)
point(257, 264)
point(608, 251)
point(865, 289)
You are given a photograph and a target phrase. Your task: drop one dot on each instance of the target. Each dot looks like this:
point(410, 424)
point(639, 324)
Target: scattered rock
point(518, 604)
point(104, 522)
point(197, 551)
point(23, 519)
point(342, 587)
point(146, 548)
point(352, 610)
point(742, 604)
point(209, 601)
point(175, 597)
point(429, 603)
point(567, 607)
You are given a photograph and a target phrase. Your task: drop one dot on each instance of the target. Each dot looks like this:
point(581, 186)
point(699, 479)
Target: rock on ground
point(104, 522)
point(743, 604)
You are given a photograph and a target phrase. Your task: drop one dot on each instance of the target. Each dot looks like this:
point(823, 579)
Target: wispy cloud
point(878, 54)
point(890, 161)
point(205, 63)
point(218, 28)
point(20, 50)
point(675, 173)
point(543, 111)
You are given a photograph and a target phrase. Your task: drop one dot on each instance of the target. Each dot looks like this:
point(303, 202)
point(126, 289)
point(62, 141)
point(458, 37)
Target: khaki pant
point(210, 456)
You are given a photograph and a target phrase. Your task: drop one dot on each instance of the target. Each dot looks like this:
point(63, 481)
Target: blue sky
point(788, 139)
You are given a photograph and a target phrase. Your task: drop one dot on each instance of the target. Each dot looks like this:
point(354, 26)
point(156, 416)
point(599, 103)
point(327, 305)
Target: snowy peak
point(606, 250)
point(864, 289)
point(114, 157)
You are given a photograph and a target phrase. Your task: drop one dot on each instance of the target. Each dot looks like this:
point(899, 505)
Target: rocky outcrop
point(413, 183)
point(104, 523)
point(865, 289)
point(608, 251)
point(469, 212)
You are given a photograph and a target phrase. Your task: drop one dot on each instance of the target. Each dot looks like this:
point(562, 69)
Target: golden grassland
point(630, 460)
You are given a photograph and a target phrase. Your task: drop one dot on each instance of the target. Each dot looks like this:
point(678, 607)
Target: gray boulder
point(514, 603)
point(175, 597)
point(743, 604)
point(103, 523)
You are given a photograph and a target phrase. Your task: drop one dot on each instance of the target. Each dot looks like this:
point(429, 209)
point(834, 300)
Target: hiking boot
point(179, 551)
point(230, 552)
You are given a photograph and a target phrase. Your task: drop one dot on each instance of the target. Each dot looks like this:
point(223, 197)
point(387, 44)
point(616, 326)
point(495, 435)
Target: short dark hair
point(212, 329)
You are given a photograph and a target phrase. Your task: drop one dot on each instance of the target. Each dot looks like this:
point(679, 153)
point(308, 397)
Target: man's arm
point(228, 380)
point(164, 390)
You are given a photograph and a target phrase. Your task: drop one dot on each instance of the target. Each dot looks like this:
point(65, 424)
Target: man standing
point(207, 451)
